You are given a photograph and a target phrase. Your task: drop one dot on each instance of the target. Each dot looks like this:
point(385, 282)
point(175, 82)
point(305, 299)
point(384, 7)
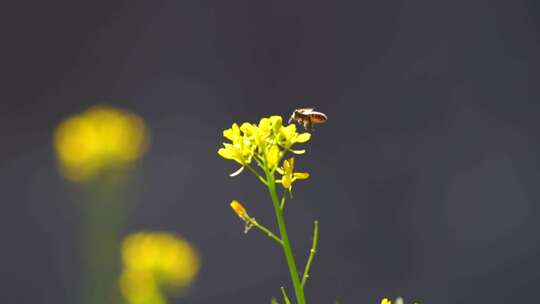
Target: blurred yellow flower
point(156, 260)
point(100, 137)
point(398, 300)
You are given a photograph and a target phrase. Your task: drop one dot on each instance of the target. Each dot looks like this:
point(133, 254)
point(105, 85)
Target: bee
point(307, 117)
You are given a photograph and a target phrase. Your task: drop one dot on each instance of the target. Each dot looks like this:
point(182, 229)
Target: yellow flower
point(272, 157)
point(266, 142)
point(153, 260)
point(288, 175)
point(253, 134)
point(288, 136)
point(101, 137)
point(240, 150)
point(265, 127)
point(277, 123)
point(239, 209)
point(385, 301)
point(398, 300)
point(140, 288)
point(233, 134)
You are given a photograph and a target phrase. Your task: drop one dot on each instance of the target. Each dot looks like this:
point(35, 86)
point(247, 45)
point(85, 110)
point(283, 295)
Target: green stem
point(105, 209)
point(253, 222)
point(285, 297)
point(311, 253)
point(299, 292)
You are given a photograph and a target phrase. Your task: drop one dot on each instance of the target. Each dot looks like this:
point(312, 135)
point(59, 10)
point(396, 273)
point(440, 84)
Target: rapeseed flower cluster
point(265, 143)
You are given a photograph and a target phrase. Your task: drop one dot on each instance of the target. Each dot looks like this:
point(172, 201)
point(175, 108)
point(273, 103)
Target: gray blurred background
point(424, 179)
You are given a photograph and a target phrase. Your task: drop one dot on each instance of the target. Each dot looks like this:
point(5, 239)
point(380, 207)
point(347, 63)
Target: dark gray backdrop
point(424, 179)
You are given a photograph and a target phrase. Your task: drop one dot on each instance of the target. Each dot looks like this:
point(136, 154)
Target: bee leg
point(290, 119)
point(307, 125)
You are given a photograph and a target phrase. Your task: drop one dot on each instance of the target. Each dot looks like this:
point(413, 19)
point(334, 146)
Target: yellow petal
point(286, 181)
point(238, 209)
point(385, 301)
point(288, 165)
point(288, 131)
point(228, 134)
point(225, 153)
point(247, 128)
point(301, 175)
point(233, 133)
point(232, 152)
point(264, 125)
point(272, 157)
point(277, 122)
point(276, 119)
point(303, 137)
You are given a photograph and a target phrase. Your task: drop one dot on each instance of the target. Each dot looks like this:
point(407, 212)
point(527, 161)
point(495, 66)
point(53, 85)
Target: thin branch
point(257, 174)
point(259, 161)
point(285, 297)
point(253, 222)
point(282, 205)
point(287, 250)
point(311, 253)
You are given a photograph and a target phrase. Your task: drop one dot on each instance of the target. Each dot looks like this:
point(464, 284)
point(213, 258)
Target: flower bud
point(239, 209)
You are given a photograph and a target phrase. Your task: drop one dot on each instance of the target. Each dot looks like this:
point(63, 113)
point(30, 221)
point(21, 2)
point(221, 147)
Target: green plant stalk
point(285, 297)
point(312, 252)
point(298, 290)
point(104, 210)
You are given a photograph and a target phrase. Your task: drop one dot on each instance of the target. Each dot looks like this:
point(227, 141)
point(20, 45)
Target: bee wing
point(305, 110)
point(321, 114)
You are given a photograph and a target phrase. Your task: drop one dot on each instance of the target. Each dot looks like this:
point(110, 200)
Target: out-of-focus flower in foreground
point(154, 262)
point(398, 300)
point(98, 138)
